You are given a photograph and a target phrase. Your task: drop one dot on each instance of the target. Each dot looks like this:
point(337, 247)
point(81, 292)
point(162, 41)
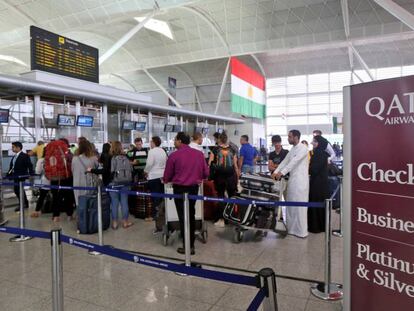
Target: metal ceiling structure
point(285, 37)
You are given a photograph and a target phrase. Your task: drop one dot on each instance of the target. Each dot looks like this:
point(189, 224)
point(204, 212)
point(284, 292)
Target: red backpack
point(57, 161)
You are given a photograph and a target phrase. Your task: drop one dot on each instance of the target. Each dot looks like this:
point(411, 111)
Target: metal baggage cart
point(255, 217)
point(172, 224)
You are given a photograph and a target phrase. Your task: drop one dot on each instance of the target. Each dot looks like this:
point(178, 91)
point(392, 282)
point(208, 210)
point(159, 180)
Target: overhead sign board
point(60, 55)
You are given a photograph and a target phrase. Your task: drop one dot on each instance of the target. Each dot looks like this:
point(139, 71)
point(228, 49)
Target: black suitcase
point(88, 213)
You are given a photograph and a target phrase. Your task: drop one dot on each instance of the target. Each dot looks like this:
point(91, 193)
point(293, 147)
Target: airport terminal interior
point(191, 154)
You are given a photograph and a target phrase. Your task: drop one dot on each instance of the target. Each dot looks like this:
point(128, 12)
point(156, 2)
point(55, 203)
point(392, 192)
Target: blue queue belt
point(176, 196)
point(164, 265)
point(257, 300)
point(25, 232)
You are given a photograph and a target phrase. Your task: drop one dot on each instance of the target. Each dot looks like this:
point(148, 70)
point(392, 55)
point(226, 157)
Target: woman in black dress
point(319, 191)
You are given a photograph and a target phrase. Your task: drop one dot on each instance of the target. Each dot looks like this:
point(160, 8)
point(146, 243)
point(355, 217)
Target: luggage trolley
point(171, 218)
point(259, 218)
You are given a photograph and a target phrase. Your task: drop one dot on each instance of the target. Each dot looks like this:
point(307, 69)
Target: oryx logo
point(136, 259)
point(399, 111)
point(70, 241)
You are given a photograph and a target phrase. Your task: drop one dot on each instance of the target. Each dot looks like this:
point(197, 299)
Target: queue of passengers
point(185, 169)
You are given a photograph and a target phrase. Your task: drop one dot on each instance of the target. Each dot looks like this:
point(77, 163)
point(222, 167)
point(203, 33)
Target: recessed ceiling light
point(157, 26)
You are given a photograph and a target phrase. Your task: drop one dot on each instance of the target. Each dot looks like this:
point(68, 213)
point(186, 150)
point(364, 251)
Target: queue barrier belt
point(150, 262)
point(257, 300)
point(176, 196)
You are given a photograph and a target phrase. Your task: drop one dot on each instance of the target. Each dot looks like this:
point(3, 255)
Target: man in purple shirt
point(185, 169)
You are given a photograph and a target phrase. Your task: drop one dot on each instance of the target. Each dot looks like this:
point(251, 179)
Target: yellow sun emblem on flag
point(250, 92)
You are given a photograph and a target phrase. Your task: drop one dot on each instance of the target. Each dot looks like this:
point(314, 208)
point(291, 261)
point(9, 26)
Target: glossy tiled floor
point(98, 283)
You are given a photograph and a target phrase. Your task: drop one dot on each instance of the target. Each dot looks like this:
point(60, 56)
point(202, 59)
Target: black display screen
point(177, 128)
point(85, 121)
point(60, 55)
point(4, 115)
point(128, 125)
point(140, 126)
point(168, 128)
point(66, 120)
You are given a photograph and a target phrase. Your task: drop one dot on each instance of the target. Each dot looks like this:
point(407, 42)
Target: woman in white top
point(154, 170)
point(40, 170)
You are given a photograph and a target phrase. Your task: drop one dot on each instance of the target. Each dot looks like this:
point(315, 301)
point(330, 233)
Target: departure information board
point(60, 55)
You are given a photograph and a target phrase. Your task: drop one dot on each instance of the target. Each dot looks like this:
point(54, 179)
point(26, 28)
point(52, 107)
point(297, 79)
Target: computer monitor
point(66, 120)
point(177, 128)
point(220, 130)
point(128, 125)
point(85, 121)
point(140, 126)
point(168, 128)
point(205, 130)
point(4, 115)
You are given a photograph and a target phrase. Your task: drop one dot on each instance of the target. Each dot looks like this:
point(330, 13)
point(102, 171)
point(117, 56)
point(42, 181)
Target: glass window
point(318, 83)
point(296, 85)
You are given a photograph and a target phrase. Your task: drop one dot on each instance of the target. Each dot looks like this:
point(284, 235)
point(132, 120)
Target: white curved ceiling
point(287, 36)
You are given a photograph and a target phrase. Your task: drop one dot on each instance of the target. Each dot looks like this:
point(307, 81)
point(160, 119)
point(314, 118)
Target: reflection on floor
point(98, 283)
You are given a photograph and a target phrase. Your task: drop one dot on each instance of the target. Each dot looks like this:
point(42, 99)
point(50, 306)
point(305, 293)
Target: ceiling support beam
point(259, 64)
point(351, 48)
point(125, 38)
point(399, 12)
point(211, 23)
point(124, 80)
point(176, 103)
point(362, 62)
point(223, 84)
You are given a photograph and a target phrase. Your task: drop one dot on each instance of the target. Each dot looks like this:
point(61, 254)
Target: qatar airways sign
point(399, 111)
point(379, 178)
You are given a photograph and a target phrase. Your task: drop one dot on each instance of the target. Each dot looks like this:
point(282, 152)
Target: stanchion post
point(327, 290)
point(100, 224)
point(187, 246)
point(338, 232)
point(268, 281)
point(21, 238)
point(57, 271)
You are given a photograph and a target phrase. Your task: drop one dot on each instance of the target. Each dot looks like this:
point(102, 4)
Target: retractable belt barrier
point(175, 196)
point(147, 261)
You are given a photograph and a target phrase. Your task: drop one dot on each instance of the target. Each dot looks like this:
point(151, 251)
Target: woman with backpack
point(223, 162)
point(58, 162)
point(121, 172)
point(83, 160)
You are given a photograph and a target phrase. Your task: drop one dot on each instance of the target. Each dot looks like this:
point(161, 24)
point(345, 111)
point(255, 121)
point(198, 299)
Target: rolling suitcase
point(210, 208)
point(140, 206)
point(88, 213)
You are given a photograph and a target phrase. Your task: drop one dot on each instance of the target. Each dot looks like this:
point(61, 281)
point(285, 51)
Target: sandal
point(35, 214)
point(127, 225)
point(114, 225)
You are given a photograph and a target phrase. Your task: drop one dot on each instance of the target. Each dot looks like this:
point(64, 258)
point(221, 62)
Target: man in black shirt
point(277, 156)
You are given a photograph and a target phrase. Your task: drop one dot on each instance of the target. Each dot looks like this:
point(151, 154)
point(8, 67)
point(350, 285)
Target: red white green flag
point(247, 90)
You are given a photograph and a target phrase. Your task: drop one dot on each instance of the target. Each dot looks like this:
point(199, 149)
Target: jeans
point(117, 198)
point(247, 169)
point(155, 186)
point(179, 204)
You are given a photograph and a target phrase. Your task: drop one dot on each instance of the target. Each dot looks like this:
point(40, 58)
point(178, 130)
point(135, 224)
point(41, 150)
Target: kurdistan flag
point(247, 90)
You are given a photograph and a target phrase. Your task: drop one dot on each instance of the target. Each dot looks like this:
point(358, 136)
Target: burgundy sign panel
point(382, 262)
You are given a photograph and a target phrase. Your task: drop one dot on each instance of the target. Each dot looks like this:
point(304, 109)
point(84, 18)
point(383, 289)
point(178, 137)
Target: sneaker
point(219, 223)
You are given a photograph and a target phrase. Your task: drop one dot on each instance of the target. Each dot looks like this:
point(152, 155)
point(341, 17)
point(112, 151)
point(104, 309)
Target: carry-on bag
point(88, 213)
